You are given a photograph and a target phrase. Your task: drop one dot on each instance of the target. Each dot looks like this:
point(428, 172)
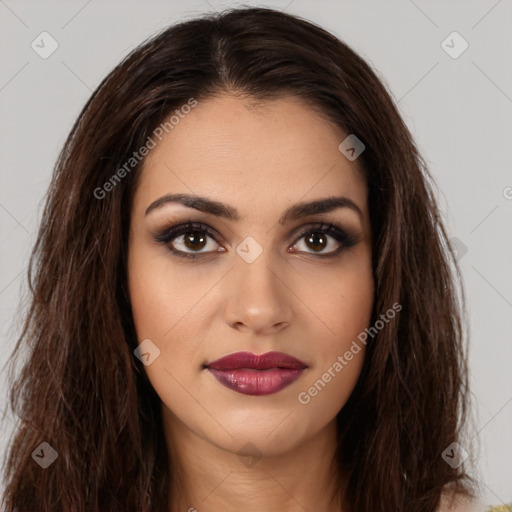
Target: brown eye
point(194, 240)
point(317, 241)
point(325, 240)
point(188, 240)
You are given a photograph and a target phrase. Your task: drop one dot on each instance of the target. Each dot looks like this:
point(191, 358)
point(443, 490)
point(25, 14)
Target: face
point(265, 277)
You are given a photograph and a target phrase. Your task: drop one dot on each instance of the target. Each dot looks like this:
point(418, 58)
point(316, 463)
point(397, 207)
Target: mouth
point(252, 374)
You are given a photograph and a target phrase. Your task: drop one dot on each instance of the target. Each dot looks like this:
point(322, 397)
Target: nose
point(259, 299)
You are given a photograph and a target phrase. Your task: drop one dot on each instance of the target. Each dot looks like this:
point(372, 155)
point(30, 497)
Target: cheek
point(339, 299)
point(327, 390)
point(344, 306)
point(162, 294)
point(340, 351)
point(162, 297)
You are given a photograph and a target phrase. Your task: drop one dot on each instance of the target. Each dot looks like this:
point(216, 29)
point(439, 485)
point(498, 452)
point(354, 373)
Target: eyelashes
point(167, 235)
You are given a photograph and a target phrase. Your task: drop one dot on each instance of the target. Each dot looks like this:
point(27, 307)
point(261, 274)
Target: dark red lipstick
point(252, 374)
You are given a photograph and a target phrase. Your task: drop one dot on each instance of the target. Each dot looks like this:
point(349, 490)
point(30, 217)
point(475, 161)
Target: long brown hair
point(81, 389)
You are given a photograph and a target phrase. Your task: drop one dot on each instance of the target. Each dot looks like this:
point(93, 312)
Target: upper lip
point(240, 360)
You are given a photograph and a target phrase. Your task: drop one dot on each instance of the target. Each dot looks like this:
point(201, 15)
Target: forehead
point(265, 154)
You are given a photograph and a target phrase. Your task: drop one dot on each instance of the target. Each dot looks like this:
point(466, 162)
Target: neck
point(207, 478)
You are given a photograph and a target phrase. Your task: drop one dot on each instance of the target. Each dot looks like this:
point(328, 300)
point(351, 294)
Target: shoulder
point(451, 502)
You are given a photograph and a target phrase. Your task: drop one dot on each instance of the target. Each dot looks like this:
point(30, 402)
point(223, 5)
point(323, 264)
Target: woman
point(242, 292)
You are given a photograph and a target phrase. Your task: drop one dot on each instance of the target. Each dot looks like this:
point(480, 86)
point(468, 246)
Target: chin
point(269, 435)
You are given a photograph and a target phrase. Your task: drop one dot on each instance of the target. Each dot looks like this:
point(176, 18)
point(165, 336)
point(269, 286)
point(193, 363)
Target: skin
point(261, 159)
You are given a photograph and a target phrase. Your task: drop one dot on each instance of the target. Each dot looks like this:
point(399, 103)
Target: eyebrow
point(228, 212)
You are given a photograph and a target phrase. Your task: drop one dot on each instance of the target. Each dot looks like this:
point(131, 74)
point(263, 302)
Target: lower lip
point(257, 382)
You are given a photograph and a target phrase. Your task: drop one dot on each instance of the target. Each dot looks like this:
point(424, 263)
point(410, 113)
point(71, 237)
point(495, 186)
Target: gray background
point(459, 111)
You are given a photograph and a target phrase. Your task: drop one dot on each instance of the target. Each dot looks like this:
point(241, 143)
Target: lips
point(252, 374)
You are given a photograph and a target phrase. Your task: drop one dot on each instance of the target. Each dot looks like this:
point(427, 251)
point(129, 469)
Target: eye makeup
point(167, 235)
